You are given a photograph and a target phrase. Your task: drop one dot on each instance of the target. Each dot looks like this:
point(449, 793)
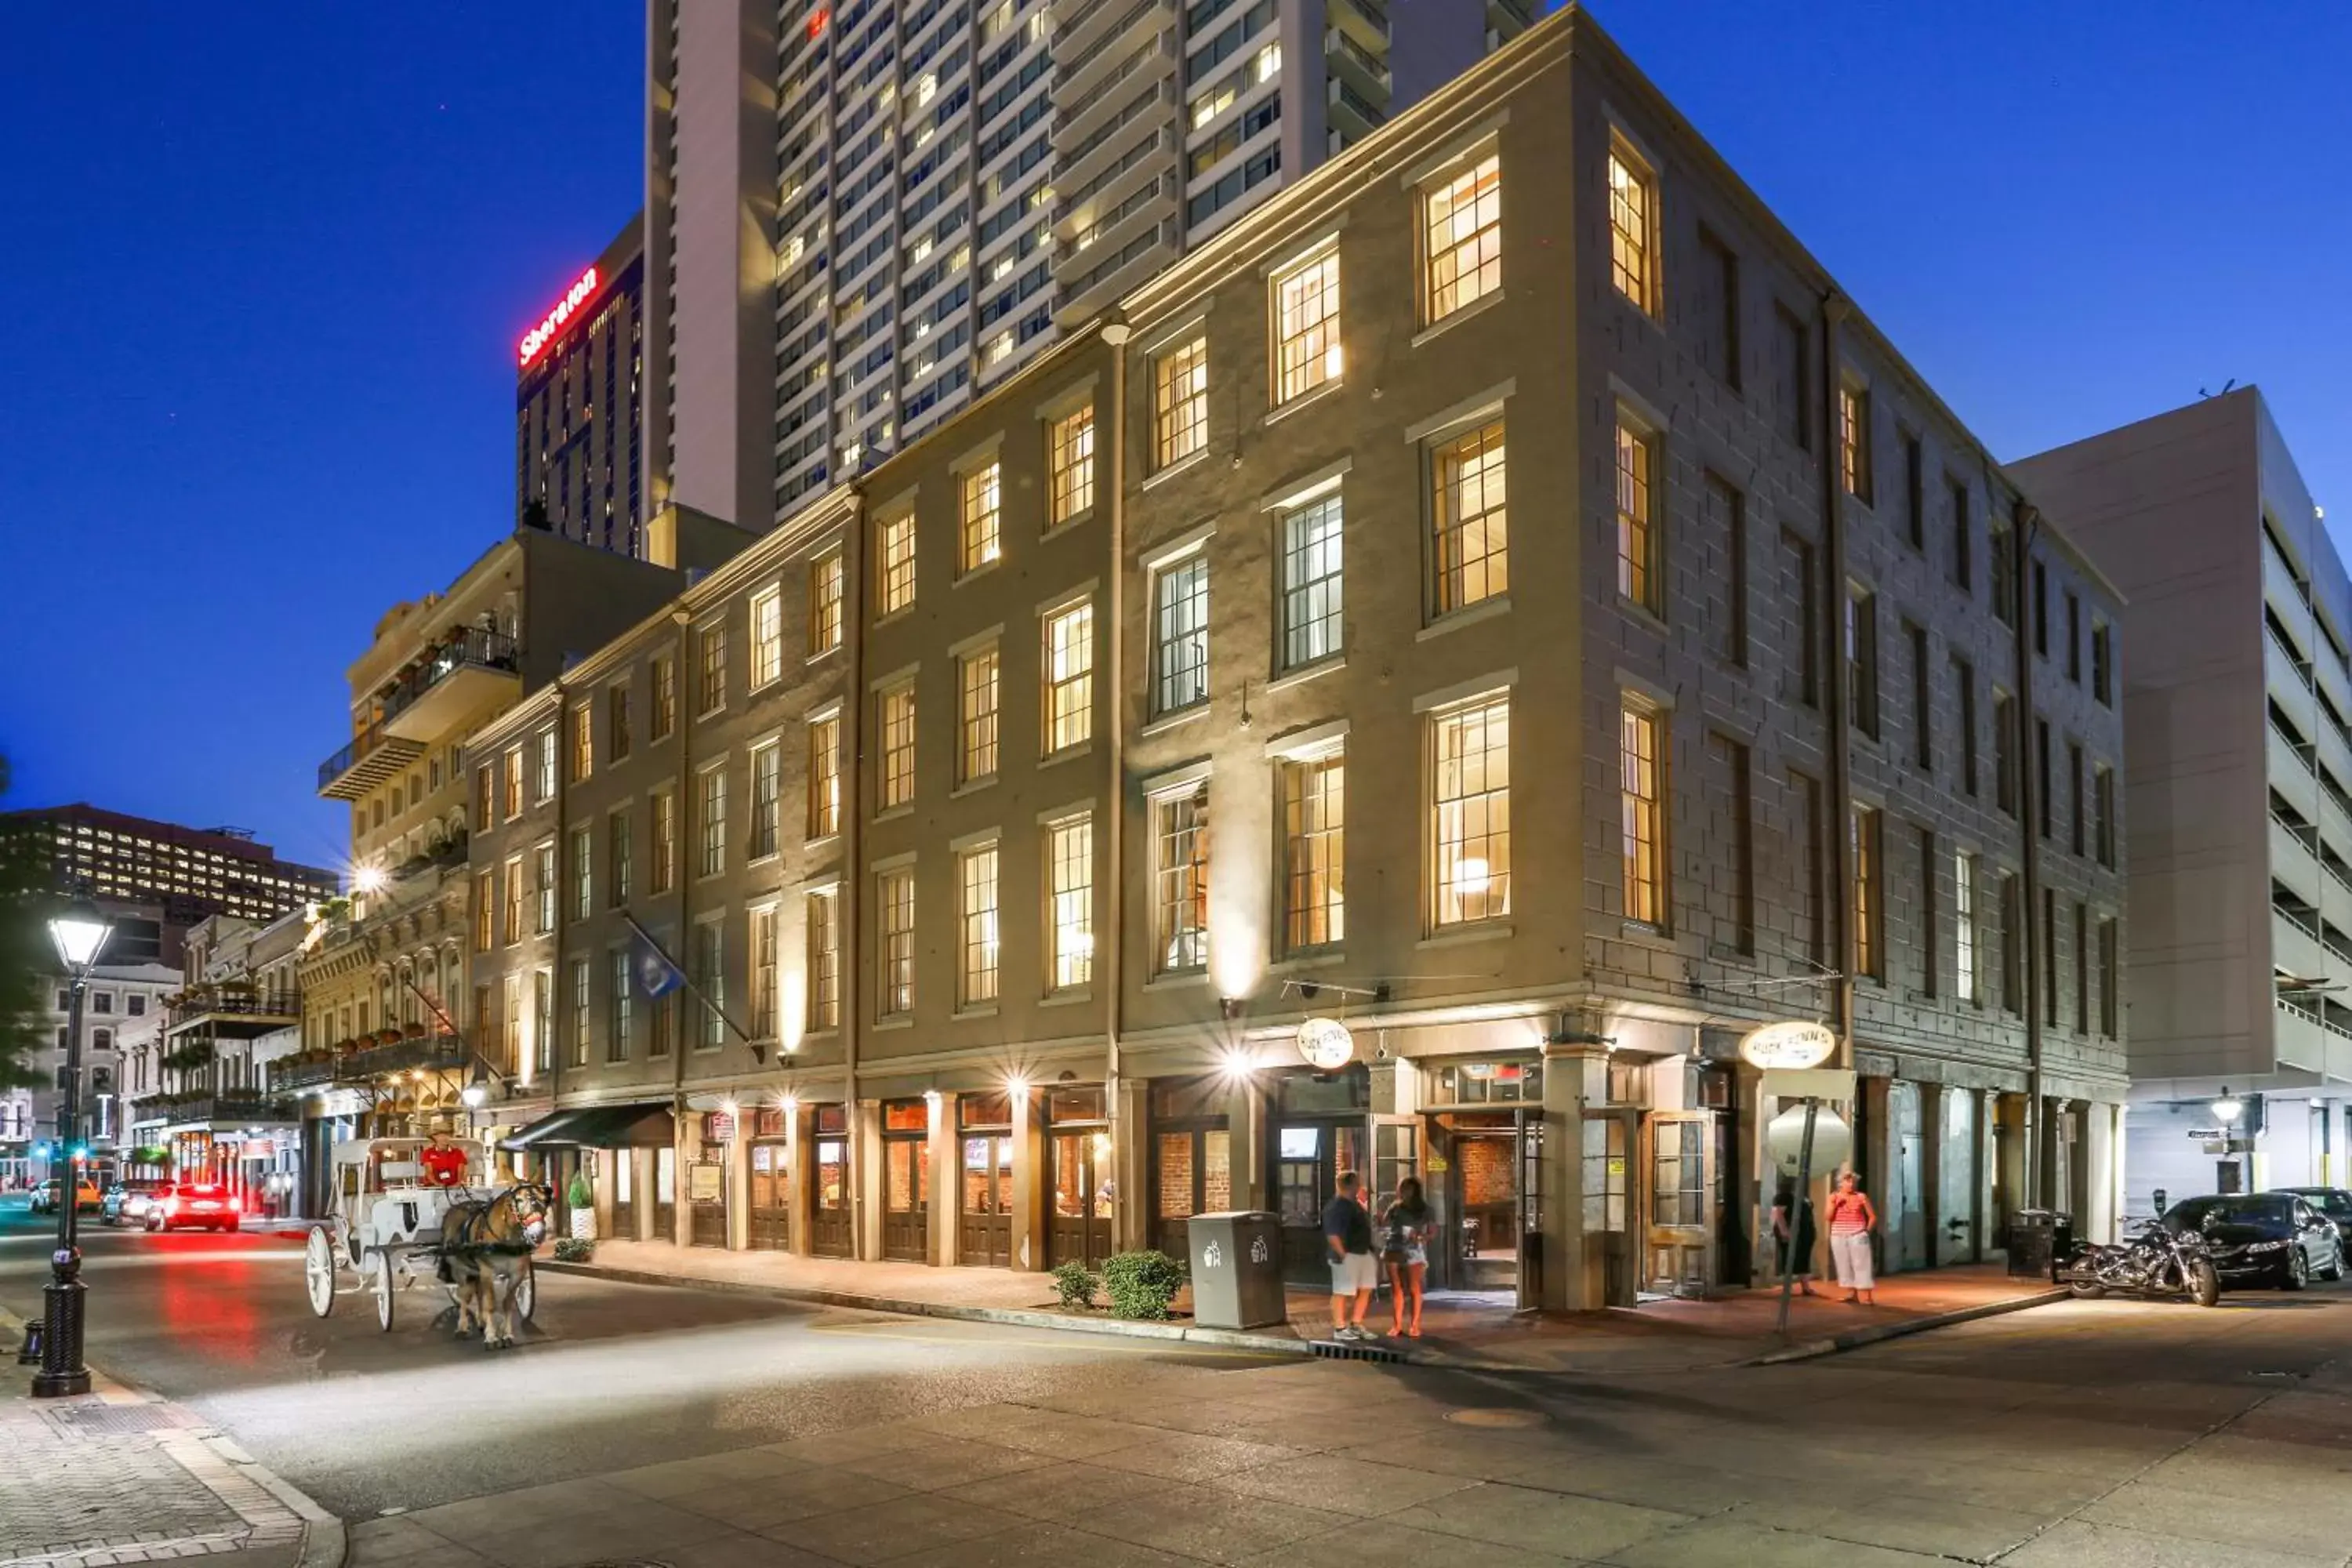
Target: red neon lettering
point(539, 336)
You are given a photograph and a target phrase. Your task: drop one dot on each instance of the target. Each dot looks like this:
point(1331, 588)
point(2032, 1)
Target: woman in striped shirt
point(1852, 1219)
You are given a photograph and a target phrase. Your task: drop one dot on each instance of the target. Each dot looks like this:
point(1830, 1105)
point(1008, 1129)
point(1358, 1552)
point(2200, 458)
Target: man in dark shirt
point(1347, 1233)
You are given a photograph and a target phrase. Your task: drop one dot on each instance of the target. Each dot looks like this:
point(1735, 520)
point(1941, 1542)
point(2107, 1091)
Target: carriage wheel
point(382, 1265)
point(525, 1299)
point(318, 1270)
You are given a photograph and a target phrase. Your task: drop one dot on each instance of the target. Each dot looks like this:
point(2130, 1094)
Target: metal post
point(62, 1372)
point(1797, 1200)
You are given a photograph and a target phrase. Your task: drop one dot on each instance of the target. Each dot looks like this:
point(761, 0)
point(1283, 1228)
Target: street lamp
point(2229, 1108)
point(80, 931)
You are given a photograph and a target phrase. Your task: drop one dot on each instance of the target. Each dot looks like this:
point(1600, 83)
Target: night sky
point(265, 266)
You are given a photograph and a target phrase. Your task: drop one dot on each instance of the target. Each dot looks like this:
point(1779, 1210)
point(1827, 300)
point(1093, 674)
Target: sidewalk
point(121, 1476)
point(1463, 1330)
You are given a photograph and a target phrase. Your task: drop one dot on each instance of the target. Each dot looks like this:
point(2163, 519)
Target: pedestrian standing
point(1852, 1219)
point(1348, 1234)
point(1792, 1221)
point(1404, 1248)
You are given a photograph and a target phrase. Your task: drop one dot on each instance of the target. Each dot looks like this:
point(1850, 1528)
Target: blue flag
point(656, 975)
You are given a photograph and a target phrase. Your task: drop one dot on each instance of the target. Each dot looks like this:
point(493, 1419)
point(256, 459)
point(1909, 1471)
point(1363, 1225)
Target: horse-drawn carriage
point(389, 1227)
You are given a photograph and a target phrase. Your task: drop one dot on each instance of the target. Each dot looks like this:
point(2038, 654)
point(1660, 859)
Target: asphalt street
point(609, 1376)
point(711, 1431)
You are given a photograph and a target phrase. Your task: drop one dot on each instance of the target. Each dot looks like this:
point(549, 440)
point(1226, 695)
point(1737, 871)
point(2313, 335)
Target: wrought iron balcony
point(372, 757)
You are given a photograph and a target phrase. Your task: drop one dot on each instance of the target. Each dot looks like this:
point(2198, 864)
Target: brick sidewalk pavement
point(117, 1477)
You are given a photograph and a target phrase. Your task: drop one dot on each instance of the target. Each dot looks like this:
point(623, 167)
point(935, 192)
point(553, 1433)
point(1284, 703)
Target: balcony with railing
point(460, 672)
point(371, 759)
point(231, 1011)
point(218, 1111)
point(409, 1053)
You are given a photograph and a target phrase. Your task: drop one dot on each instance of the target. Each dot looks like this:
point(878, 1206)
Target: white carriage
point(384, 1225)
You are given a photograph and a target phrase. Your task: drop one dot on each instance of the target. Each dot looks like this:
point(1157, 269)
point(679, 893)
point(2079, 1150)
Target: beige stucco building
point(1695, 668)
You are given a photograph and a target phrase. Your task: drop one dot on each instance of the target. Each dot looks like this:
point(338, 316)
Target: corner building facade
point(1704, 671)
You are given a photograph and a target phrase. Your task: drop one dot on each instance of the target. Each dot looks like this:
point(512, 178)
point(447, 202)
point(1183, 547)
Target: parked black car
point(2333, 1202)
point(2264, 1238)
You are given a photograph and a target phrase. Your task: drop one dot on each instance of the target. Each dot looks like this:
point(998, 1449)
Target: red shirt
point(442, 1167)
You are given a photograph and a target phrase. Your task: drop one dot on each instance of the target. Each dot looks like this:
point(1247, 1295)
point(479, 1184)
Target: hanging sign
point(1791, 1045)
point(718, 1127)
point(1326, 1043)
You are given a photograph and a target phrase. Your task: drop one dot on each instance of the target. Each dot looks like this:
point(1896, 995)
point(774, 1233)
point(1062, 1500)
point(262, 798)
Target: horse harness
point(465, 1226)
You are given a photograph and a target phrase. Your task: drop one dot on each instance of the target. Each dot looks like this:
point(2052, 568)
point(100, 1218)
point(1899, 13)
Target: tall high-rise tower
point(861, 217)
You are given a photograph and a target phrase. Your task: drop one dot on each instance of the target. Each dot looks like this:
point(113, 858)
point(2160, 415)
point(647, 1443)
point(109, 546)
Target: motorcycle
point(2150, 1260)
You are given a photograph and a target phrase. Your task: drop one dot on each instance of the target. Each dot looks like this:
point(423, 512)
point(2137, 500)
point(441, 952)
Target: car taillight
point(234, 1207)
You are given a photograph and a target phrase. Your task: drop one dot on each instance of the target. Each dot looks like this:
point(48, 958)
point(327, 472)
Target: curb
point(1855, 1339)
point(325, 1541)
point(1015, 1317)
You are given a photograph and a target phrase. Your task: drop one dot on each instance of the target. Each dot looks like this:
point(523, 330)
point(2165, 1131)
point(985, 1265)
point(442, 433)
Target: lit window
point(664, 868)
point(1069, 638)
point(1180, 401)
point(897, 727)
point(980, 519)
point(1212, 104)
point(1070, 853)
point(1964, 927)
point(581, 718)
point(1180, 635)
point(1853, 440)
point(767, 799)
point(1311, 581)
point(713, 857)
point(824, 604)
point(1314, 834)
point(710, 981)
point(1071, 463)
point(510, 929)
point(1641, 794)
point(578, 1055)
point(976, 704)
point(824, 777)
point(583, 858)
point(486, 898)
point(1268, 63)
point(1179, 838)
point(895, 895)
point(976, 880)
point(895, 547)
point(1632, 227)
point(767, 637)
point(764, 973)
point(510, 792)
point(1471, 771)
point(1869, 897)
point(1473, 560)
point(665, 682)
point(1638, 575)
point(710, 669)
point(1461, 235)
point(824, 944)
point(1306, 326)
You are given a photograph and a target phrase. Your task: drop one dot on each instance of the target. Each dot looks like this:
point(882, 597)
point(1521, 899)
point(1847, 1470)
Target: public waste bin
point(2039, 1239)
point(1236, 1270)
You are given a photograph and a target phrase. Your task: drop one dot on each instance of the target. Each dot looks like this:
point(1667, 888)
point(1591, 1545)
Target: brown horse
point(486, 1245)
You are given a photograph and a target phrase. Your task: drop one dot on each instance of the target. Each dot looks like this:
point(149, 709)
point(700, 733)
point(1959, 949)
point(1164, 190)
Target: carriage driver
point(440, 1162)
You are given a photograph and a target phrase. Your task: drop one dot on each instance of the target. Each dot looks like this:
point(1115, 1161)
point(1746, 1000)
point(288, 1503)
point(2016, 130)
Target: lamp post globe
point(80, 931)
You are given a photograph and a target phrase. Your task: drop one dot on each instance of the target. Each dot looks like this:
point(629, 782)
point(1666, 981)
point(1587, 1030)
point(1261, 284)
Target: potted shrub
point(1141, 1284)
point(582, 1197)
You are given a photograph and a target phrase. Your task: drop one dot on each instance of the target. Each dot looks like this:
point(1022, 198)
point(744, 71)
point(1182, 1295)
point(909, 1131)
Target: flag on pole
point(656, 975)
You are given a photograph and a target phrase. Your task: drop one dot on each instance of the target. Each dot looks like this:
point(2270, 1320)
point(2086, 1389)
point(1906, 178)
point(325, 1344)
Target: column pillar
point(739, 1183)
point(1576, 1239)
point(946, 1189)
point(1131, 1156)
point(1027, 1242)
point(799, 1188)
point(865, 1170)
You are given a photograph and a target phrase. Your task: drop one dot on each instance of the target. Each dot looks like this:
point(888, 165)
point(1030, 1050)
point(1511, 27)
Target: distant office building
point(578, 467)
point(2237, 791)
point(192, 872)
point(929, 194)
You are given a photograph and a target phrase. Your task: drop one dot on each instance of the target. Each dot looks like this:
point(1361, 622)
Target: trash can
point(1236, 1270)
point(2039, 1239)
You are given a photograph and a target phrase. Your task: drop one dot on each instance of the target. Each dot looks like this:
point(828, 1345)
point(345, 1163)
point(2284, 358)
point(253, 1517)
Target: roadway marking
point(1176, 1347)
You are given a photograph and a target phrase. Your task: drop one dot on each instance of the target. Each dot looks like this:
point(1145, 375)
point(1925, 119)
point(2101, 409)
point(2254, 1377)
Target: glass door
point(829, 1209)
point(987, 1229)
point(906, 1181)
point(625, 1193)
point(1679, 1240)
point(1308, 1159)
point(665, 1193)
point(772, 1199)
point(1193, 1173)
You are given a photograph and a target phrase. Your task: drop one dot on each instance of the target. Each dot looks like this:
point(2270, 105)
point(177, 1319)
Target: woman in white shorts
point(1852, 1219)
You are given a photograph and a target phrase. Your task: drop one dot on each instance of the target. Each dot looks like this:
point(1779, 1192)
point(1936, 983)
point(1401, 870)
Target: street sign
point(1326, 1043)
point(1809, 1083)
point(1785, 1137)
point(1794, 1044)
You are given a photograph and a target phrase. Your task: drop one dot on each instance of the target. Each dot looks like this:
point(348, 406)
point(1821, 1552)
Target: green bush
point(571, 1249)
point(579, 1194)
point(1141, 1284)
point(1077, 1284)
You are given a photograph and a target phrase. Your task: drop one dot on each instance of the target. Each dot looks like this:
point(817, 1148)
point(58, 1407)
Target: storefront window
point(1196, 1173)
point(1678, 1173)
point(906, 1116)
point(1490, 1083)
point(832, 1173)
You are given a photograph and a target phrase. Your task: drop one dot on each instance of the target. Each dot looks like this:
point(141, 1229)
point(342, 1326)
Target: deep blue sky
point(265, 266)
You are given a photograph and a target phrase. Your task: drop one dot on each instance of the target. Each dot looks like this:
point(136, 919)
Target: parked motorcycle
point(2149, 1261)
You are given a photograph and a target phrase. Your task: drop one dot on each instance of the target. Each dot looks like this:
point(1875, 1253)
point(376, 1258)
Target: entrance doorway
point(1191, 1159)
point(905, 1179)
point(1079, 1150)
point(829, 1171)
point(625, 1194)
point(985, 1230)
point(665, 1193)
point(1679, 1240)
point(772, 1199)
point(1321, 1127)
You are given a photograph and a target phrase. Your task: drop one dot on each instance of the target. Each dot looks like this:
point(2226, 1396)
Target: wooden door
point(1080, 1231)
point(625, 1194)
point(666, 1195)
point(1308, 1159)
point(907, 1198)
point(1679, 1234)
point(771, 1198)
point(829, 1211)
point(1192, 1172)
point(985, 1231)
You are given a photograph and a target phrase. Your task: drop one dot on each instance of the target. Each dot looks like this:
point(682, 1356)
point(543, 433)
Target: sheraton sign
point(539, 336)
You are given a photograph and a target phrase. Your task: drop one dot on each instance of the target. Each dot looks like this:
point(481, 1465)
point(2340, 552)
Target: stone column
point(799, 1186)
point(739, 1183)
point(946, 1189)
point(865, 1170)
point(1131, 1156)
point(1027, 1243)
point(1575, 1245)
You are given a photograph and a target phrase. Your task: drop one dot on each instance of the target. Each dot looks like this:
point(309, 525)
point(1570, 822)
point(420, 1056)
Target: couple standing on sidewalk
point(1853, 1217)
point(1355, 1266)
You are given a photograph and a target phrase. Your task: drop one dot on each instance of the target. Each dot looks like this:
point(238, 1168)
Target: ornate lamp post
point(80, 933)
